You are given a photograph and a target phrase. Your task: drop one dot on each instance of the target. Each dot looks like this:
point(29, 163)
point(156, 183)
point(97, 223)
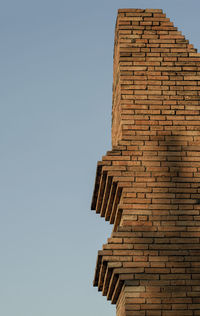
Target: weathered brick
point(148, 185)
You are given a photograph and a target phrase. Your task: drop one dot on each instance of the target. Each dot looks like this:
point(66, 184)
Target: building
point(148, 185)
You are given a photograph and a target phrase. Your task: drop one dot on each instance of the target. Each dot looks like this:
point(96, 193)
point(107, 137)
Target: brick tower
point(148, 185)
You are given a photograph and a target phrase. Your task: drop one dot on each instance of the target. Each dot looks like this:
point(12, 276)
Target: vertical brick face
point(155, 68)
point(148, 185)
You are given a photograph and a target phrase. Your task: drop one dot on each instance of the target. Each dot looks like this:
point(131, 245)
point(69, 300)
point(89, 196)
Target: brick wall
point(148, 185)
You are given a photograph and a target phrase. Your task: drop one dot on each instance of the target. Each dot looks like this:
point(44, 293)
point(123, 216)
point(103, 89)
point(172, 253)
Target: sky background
point(55, 124)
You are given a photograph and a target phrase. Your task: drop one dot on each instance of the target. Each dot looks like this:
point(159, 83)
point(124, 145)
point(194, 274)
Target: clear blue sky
point(55, 123)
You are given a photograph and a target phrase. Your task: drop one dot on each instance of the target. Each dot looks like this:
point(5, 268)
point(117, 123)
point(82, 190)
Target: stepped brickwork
point(148, 185)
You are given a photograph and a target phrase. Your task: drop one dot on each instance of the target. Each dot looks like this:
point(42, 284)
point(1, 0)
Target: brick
point(148, 186)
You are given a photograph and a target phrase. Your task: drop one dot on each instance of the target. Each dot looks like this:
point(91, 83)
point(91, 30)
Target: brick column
point(148, 186)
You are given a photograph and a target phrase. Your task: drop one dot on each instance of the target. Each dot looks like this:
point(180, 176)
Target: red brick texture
point(148, 186)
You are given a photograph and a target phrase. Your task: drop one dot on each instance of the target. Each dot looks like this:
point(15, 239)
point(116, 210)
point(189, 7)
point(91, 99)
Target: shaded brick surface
point(148, 185)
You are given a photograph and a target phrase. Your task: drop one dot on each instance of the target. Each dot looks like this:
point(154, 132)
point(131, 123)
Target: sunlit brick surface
point(148, 185)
